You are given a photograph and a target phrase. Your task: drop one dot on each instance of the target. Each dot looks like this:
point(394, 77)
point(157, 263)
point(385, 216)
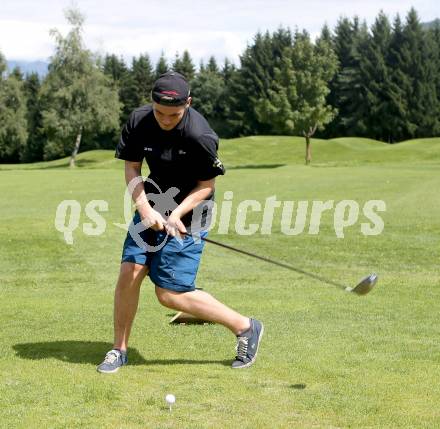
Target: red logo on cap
point(170, 92)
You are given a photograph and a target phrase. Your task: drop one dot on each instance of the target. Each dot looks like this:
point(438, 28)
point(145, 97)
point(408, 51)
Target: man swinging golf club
point(181, 152)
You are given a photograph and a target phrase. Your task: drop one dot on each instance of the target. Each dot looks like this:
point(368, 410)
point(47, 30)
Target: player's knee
point(166, 297)
point(132, 273)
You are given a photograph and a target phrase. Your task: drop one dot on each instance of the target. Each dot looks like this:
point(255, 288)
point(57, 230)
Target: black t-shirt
point(177, 158)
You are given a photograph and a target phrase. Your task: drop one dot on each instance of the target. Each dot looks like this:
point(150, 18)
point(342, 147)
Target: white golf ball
point(171, 399)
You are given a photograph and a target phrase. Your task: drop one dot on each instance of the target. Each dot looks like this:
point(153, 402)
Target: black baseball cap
point(170, 89)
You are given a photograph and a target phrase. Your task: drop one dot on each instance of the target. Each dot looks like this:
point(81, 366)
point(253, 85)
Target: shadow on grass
point(256, 166)
point(64, 165)
point(187, 362)
point(71, 351)
point(299, 386)
point(49, 166)
point(93, 352)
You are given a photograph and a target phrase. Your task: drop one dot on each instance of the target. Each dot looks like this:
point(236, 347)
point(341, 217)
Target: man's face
point(169, 116)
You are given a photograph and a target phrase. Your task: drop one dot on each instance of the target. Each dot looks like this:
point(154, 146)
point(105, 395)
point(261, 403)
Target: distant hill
point(26, 67)
point(431, 24)
point(259, 152)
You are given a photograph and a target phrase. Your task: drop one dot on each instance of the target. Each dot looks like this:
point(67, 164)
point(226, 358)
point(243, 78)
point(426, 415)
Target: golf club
point(362, 288)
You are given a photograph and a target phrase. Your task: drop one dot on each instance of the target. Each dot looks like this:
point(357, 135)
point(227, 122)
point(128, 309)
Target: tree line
point(381, 82)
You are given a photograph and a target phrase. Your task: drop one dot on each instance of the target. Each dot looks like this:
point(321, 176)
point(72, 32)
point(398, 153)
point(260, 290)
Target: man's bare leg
point(203, 305)
point(126, 301)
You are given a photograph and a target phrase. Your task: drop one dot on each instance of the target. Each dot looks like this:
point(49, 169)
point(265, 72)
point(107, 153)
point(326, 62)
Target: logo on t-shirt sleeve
point(218, 164)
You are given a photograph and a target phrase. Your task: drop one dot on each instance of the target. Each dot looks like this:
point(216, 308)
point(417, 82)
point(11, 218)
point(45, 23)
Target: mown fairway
point(328, 358)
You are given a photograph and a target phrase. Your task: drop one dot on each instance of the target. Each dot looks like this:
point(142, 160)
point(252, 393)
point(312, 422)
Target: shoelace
point(111, 357)
point(242, 346)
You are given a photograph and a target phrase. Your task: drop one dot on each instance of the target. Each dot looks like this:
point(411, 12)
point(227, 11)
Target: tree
point(184, 65)
point(114, 67)
point(418, 50)
point(314, 66)
point(351, 91)
point(161, 66)
point(226, 123)
point(429, 124)
point(202, 67)
point(326, 35)
point(78, 97)
point(296, 102)
point(136, 85)
point(342, 93)
point(207, 89)
point(17, 73)
point(3, 66)
point(415, 73)
point(255, 79)
point(375, 74)
point(35, 142)
point(13, 130)
point(434, 34)
point(399, 84)
point(143, 78)
point(212, 65)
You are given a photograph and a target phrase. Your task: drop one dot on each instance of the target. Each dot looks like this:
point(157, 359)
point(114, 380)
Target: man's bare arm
point(200, 193)
point(151, 218)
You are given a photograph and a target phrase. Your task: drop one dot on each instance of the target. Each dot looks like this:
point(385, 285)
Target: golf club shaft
point(271, 261)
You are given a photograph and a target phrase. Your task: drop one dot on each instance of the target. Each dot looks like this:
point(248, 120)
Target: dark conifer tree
point(34, 149)
point(184, 65)
point(161, 66)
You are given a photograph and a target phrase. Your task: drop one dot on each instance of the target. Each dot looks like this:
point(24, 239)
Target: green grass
point(328, 359)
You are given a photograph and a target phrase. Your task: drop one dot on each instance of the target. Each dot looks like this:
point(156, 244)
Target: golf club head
point(365, 285)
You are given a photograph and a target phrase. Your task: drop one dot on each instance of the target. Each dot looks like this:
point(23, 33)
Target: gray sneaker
point(114, 359)
point(247, 345)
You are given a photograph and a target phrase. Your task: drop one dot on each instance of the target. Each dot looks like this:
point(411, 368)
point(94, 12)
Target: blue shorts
point(172, 264)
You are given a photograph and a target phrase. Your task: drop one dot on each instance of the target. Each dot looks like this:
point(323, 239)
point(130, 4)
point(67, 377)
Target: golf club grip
point(270, 261)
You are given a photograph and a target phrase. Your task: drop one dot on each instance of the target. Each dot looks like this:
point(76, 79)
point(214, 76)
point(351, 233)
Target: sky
point(221, 28)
